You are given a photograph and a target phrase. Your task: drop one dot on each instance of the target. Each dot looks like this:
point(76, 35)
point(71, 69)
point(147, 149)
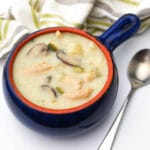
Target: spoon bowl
point(139, 69)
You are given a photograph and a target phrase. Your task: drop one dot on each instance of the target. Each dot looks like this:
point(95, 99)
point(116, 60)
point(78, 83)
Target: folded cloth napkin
point(94, 16)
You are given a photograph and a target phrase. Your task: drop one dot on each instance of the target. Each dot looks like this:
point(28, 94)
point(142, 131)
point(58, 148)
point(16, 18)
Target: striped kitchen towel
point(94, 16)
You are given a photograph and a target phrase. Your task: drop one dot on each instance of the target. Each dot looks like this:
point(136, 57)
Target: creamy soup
point(60, 70)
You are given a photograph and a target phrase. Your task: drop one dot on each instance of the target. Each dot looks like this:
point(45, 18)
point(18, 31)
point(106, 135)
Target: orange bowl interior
point(69, 110)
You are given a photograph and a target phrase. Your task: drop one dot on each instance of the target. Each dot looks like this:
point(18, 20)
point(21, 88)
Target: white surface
point(135, 130)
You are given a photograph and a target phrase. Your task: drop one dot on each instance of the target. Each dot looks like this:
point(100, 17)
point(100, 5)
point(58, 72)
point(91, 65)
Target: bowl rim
point(33, 35)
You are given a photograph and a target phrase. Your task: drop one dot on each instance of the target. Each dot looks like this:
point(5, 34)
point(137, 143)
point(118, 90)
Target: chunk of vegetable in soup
point(60, 71)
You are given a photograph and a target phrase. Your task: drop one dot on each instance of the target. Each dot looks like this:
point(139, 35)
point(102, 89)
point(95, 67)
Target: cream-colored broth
point(72, 85)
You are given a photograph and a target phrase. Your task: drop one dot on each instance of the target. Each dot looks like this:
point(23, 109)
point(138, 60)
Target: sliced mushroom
point(49, 89)
point(39, 49)
point(68, 60)
point(49, 78)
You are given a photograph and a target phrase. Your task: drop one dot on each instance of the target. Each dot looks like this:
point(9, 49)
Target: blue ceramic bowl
point(84, 116)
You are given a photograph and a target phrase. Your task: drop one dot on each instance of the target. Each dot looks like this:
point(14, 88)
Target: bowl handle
point(120, 31)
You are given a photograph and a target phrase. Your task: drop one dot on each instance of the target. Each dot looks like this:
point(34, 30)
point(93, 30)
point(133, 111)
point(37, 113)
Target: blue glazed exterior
point(84, 119)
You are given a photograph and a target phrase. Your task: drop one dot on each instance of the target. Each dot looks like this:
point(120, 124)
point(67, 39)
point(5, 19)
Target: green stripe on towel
point(36, 5)
point(43, 23)
point(30, 2)
point(93, 31)
point(0, 29)
point(35, 18)
point(46, 16)
point(95, 22)
point(52, 16)
point(6, 26)
point(130, 2)
point(144, 25)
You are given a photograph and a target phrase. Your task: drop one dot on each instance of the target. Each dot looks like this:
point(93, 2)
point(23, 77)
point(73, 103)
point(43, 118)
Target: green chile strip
point(52, 47)
point(60, 90)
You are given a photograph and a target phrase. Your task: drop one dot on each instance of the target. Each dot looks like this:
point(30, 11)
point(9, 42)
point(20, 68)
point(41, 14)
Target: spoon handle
point(108, 140)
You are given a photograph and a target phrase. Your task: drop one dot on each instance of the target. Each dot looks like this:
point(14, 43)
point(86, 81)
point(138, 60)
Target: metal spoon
point(139, 75)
